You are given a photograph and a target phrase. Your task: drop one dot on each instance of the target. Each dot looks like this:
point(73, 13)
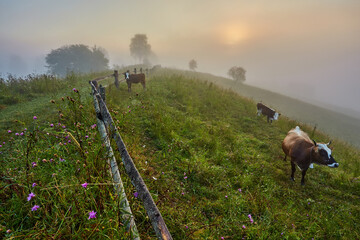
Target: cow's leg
point(303, 172)
point(293, 169)
point(267, 118)
point(129, 87)
point(143, 84)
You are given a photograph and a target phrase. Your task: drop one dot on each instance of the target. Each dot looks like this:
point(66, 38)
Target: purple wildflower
point(239, 189)
point(243, 226)
point(9, 131)
point(34, 184)
point(93, 126)
point(34, 164)
point(136, 194)
point(92, 214)
point(62, 160)
point(51, 125)
point(22, 133)
point(251, 220)
point(31, 195)
point(35, 207)
point(185, 177)
point(35, 117)
point(0, 145)
point(84, 185)
point(17, 134)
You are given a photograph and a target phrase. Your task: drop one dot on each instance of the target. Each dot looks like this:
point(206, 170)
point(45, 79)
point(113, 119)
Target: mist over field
point(304, 49)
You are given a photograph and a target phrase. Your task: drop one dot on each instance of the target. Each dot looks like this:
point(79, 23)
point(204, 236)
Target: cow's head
point(322, 155)
point(126, 74)
point(276, 115)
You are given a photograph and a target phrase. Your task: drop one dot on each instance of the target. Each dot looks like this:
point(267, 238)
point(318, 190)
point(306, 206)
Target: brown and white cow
point(271, 114)
point(134, 78)
point(304, 152)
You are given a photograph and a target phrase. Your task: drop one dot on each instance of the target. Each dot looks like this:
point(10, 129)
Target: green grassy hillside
point(214, 168)
point(335, 124)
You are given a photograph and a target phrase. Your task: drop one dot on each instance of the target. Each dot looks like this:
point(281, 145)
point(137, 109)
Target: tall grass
point(214, 168)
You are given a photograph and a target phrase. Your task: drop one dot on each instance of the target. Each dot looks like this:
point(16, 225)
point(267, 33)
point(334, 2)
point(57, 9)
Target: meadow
point(214, 168)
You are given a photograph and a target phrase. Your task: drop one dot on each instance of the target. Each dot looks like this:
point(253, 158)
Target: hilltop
point(213, 167)
point(333, 121)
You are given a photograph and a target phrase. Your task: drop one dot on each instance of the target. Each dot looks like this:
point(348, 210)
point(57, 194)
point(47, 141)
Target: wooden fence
point(108, 131)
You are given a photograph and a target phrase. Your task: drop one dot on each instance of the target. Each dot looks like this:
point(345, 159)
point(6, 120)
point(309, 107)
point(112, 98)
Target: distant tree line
point(76, 58)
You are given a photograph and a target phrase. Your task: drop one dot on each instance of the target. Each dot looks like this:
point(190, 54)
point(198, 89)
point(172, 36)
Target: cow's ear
point(329, 143)
point(314, 142)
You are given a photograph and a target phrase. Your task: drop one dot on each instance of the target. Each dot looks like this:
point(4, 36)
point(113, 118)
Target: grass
point(213, 167)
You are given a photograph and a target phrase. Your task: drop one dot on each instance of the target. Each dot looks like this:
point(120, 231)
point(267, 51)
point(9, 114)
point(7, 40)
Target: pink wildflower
point(34, 184)
point(9, 131)
point(34, 164)
point(51, 125)
point(35, 117)
point(251, 220)
point(35, 207)
point(243, 226)
point(31, 195)
point(92, 214)
point(84, 185)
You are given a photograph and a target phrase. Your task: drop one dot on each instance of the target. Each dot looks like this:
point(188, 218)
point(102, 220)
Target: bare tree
point(237, 73)
point(139, 47)
point(192, 64)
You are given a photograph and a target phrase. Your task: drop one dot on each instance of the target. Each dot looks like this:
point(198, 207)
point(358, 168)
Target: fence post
point(127, 216)
point(116, 75)
point(153, 212)
point(102, 92)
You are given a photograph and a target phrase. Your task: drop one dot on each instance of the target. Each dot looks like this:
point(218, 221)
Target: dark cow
point(134, 78)
point(271, 114)
point(304, 152)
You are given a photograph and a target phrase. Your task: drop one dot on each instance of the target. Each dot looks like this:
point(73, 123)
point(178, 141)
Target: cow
point(134, 78)
point(304, 152)
point(271, 114)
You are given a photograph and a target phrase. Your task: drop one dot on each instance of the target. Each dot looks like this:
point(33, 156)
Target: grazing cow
point(304, 152)
point(271, 114)
point(134, 78)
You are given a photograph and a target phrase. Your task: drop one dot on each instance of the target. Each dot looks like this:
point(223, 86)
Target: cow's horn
point(314, 142)
point(329, 143)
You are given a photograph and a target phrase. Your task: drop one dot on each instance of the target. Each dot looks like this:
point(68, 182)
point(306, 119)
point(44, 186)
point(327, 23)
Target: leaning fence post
point(102, 92)
point(153, 212)
point(127, 216)
point(116, 75)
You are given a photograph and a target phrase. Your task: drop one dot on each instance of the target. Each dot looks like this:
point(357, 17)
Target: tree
point(237, 73)
point(139, 48)
point(76, 58)
point(192, 64)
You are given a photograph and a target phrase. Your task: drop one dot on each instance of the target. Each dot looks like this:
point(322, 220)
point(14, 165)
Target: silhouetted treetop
point(77, 58)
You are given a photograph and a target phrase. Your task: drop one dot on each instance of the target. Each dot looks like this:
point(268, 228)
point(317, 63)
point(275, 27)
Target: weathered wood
point(153, 212)
point(127, 216)
point(116, 76)
point(102, 92)
point(102, 78)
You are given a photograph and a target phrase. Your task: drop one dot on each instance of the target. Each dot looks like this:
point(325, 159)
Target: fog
point(305, 49)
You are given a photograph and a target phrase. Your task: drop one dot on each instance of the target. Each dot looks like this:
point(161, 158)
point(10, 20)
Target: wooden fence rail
point(152, 211)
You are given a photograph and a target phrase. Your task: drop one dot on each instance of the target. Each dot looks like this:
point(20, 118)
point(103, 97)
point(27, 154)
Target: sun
point(233, 34)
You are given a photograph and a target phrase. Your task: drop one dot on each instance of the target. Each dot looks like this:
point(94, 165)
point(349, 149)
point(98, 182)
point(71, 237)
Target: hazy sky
point(309, 49)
